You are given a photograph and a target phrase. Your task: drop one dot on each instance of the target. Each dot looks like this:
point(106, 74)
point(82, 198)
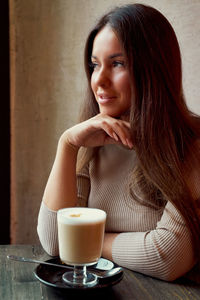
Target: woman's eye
point(118, 63)
point(93, 65)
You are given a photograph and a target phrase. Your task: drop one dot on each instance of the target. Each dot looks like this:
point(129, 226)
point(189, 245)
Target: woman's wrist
point(71, 146)
point(107, 246)
point(66, 143)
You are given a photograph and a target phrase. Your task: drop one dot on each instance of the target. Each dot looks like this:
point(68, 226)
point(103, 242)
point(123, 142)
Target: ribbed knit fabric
point(47, 229)
point(153, 242)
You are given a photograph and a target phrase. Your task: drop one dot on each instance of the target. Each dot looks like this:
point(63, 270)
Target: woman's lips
point(103, 99)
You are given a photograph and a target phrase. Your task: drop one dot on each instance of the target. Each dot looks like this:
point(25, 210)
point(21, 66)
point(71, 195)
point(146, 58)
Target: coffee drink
point(80, 234)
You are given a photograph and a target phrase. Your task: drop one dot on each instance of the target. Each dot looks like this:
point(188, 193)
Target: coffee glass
point(80, 239)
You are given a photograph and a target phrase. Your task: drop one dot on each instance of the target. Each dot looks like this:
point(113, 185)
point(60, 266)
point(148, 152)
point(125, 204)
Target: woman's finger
point(117, 129)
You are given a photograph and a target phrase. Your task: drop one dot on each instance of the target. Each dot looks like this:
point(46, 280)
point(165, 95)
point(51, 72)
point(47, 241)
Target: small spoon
point(99, 273)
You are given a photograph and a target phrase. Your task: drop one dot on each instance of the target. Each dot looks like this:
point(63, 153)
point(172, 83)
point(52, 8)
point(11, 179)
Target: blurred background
point(43, 83)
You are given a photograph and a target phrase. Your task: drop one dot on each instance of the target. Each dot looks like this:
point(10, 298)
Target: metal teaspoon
point(99, 273)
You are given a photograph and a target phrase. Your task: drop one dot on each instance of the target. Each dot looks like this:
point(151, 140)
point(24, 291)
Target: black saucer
point(52, 276)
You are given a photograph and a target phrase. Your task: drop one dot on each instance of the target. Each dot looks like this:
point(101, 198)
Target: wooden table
point(17, 282)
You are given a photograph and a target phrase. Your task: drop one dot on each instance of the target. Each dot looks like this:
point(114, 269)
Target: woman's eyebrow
point(110, 56)
point(116, 55)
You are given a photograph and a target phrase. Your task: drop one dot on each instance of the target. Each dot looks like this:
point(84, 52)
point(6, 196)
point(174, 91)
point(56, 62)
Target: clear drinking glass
point(80, 238)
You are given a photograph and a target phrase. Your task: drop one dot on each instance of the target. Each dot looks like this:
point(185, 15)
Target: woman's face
point(110, 80)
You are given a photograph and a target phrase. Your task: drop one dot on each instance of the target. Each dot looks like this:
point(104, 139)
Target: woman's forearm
point(107, 245)
point(61, 188)
point(100, 130)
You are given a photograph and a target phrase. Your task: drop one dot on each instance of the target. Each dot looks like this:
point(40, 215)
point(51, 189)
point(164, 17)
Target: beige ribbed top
point(153, 242)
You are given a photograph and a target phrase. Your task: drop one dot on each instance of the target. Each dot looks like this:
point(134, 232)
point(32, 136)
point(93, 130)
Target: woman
point(140, 157)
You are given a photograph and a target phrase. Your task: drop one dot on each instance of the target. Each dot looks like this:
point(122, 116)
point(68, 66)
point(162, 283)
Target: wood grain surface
point(17, 282)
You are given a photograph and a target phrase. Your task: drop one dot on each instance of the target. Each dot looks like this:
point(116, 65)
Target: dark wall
point(4, 126)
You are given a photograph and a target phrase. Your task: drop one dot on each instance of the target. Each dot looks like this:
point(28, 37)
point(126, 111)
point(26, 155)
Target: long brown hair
point(164, 131)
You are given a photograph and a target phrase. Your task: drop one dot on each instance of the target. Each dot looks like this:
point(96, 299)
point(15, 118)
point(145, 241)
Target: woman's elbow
point(173, 271)
point(48, 243)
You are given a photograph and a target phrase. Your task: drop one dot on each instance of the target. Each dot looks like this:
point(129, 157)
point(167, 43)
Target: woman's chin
point(118, 115)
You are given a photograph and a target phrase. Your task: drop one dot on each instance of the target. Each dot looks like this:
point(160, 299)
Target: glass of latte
point(80, 239)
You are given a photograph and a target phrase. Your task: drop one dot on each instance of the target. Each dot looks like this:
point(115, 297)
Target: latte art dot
point(75, 215)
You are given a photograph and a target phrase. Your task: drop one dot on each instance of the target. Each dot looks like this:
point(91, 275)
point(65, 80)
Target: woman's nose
point(102, 77)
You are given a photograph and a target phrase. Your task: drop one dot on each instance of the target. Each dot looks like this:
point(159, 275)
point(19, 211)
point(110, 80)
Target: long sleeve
point(47, 229)
point(164, 252)
point(154, 242)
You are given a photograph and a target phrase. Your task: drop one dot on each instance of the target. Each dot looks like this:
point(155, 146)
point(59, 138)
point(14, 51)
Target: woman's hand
point(107, 245)
point(98, 131)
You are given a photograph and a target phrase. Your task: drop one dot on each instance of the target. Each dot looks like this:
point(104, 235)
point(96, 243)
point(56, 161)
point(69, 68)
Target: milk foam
point(80, 215)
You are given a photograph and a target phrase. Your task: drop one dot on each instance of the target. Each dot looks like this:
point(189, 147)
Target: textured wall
point(47, 85)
